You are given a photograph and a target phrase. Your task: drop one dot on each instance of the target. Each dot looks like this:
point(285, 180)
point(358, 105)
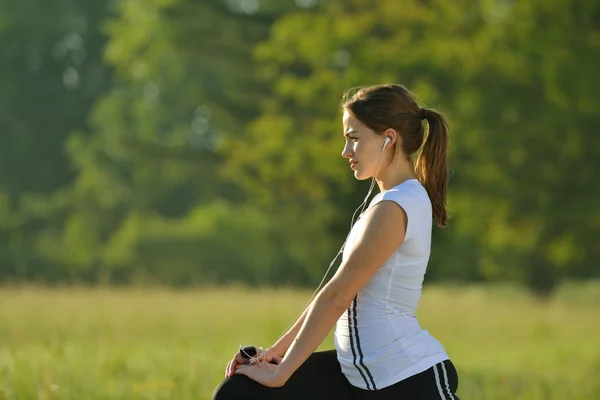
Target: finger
point(238, 360)
point(242, 369)
point(231, 367)
point(276, 360)
point(238, 357)
point(270, 355)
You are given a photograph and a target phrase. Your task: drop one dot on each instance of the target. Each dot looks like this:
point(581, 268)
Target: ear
point(393, 135)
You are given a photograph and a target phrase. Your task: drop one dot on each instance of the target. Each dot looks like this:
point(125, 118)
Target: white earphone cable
point(352, 222)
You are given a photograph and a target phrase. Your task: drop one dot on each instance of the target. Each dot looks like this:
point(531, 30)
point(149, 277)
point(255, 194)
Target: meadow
point(154, 343)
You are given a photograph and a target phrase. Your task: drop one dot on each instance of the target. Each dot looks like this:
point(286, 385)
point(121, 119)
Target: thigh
point(439, 382)
point(318, 378)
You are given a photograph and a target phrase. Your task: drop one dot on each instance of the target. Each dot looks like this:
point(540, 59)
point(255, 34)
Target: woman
point(381, 352)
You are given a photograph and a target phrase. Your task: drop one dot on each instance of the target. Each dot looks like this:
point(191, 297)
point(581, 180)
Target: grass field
point(161, 344)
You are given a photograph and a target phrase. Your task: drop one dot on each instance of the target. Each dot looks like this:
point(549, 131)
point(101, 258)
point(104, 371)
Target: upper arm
point(385, 228)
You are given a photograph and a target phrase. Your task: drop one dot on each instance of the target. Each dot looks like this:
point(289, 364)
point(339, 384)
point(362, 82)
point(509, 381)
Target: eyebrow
point(349, 132)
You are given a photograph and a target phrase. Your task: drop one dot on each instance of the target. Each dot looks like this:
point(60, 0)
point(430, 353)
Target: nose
point(348, 150)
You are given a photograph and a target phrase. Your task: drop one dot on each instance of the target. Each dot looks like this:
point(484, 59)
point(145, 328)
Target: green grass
point(161, 344)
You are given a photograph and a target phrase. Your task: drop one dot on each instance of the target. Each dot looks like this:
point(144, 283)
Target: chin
point(362, 176)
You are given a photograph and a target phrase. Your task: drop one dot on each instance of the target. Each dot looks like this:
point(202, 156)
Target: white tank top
point(378, 339)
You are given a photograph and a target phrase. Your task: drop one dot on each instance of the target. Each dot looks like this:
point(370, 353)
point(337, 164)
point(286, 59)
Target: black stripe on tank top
point(352, 346)
point(361, 362)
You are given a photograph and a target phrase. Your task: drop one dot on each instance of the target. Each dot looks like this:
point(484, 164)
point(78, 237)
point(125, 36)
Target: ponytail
point(431, 166)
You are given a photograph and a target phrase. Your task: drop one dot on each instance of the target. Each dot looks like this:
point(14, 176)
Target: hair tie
point(422, 114)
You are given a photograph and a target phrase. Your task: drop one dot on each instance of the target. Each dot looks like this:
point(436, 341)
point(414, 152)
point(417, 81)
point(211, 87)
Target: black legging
point(320, 378)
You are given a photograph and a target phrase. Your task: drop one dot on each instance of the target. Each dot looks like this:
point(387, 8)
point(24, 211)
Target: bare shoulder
point(385, 218)
point(384, 227)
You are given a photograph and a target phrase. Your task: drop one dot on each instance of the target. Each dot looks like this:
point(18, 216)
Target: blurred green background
point(186, 144)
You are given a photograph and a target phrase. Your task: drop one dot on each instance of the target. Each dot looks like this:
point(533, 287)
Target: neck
point(394, 175)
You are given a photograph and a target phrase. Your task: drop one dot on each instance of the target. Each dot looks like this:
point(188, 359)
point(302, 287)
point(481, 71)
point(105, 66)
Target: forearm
point(320, 318)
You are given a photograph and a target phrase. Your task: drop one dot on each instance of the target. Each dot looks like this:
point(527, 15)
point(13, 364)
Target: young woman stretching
point(381, 352)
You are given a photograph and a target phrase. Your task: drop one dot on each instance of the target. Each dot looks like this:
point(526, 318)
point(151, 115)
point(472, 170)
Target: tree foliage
point(517, 80)
point(184, 142)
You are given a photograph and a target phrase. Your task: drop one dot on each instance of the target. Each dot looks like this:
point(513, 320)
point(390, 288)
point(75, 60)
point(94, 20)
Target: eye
point(354, 139)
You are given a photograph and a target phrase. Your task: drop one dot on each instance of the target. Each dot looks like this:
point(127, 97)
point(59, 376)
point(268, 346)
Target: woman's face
point(363, 148)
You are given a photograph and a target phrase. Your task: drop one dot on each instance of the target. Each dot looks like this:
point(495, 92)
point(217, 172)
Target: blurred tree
point(149, 174)
point(186, 141)
point(529, 152)
point(516, 79)
point(51, 73)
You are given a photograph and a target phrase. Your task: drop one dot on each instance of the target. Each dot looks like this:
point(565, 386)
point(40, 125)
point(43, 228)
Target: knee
point(221, 391)
point(233, 388)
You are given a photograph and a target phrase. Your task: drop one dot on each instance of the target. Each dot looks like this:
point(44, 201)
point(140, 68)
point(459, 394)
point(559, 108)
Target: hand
point(273, 356)
point(234, 364)
point(270, 356)
point(266, 374)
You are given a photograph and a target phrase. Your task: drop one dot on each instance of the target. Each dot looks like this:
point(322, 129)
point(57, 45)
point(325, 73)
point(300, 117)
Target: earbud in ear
point(386, 141)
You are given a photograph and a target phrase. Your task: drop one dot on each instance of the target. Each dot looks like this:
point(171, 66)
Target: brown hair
point(393, 106)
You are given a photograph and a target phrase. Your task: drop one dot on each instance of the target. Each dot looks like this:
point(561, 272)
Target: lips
point(353, 164)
